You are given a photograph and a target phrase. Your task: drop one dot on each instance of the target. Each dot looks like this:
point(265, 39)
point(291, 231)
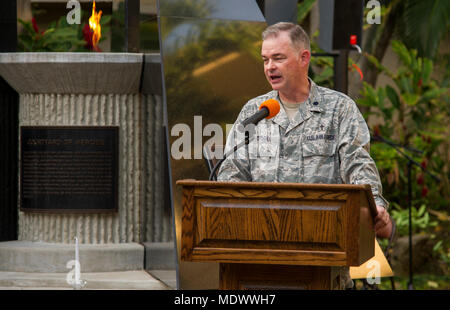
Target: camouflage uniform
point(326, 142)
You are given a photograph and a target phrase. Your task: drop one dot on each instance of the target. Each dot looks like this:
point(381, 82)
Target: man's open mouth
point(275, 78)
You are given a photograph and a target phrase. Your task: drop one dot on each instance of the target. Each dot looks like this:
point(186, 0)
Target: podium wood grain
point(278, 277)
point(282, 224)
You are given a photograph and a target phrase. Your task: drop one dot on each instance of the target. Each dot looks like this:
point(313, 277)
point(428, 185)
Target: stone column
point(156, 212)
point(74, 89)
point(89, 110)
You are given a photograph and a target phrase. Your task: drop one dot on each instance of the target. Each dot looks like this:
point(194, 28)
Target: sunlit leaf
point(402, 52)
point(303, 8)
point(393, 97)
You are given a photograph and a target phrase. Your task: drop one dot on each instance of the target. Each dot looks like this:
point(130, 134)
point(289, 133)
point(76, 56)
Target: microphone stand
point(411, 162)
point(212, 176)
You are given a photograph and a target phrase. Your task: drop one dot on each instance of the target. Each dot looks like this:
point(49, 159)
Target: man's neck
point(300, 94)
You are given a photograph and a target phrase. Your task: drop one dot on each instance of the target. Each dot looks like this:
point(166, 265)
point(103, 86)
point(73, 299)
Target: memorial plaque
point(69, 169)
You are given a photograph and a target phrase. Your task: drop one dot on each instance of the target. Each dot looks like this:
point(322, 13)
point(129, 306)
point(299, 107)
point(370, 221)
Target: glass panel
point(246, 10)
point(212, 67)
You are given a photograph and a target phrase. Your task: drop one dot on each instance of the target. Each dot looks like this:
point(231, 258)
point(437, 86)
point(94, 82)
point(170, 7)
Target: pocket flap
point(321, 148)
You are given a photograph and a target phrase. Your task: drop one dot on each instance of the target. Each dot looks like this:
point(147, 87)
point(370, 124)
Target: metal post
point(132, 39)
point(341, 71)
point(9, 126)
point(8, 24)
point(410, 283)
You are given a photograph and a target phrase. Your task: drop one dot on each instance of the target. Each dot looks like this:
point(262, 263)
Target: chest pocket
point(320, 163)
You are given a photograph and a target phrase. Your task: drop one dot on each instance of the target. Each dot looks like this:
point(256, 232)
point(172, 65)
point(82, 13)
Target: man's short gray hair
point(298, 36)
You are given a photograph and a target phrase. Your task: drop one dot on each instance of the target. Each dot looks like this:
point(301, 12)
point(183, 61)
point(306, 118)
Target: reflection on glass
point(52, 26)
point(212, 67)
point(64, 34)
point(243, 10)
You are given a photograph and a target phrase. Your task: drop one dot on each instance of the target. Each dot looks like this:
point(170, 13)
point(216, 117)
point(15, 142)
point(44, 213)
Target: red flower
point(419, 83)
point(35, 26)
point(420, 179)
point(426, 139)
point(376, 130)
point(424, 191)
point(424, 164)
point(87, 34)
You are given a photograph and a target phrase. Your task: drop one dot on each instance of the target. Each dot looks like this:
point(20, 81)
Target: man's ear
point(305, 57)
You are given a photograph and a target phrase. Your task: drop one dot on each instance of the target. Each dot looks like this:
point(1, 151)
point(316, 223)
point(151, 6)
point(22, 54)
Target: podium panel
point(277, 223)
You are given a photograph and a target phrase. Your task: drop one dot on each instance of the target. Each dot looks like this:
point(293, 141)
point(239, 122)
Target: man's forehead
point(276, 45)
point(279, 34)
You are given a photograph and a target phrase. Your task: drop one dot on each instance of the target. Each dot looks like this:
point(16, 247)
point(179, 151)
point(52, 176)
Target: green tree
point(419, 24)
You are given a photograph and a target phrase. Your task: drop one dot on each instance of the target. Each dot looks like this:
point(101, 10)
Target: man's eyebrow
point(274, 55)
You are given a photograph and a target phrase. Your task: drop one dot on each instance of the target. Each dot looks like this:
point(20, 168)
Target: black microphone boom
point(267, 109)
point(257, 117)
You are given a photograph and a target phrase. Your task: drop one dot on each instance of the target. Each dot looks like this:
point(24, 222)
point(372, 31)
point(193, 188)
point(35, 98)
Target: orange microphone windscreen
point(272, 105)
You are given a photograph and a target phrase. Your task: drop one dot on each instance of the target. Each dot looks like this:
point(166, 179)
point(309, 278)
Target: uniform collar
point(312, 104)
point(281, 118)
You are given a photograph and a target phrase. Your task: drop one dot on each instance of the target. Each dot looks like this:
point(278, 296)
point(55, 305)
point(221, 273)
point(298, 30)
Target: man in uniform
point(319, 135)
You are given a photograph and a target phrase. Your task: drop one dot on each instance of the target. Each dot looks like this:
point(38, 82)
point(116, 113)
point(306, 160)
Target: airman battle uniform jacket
point(326, 142)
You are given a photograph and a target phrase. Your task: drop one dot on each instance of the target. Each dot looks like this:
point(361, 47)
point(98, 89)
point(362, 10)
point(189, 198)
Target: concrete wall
point(142, 216)
point(100, 110)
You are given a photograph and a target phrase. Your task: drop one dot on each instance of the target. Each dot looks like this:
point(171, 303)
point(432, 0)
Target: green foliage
point(303, 9)
point(442, 250)
point(424, 24)
point(421, 282)
point(420, 219)
point(59, 36)
point(321, 68)
point(413, 111)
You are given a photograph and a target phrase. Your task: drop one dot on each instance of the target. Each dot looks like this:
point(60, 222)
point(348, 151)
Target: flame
point(94, 24)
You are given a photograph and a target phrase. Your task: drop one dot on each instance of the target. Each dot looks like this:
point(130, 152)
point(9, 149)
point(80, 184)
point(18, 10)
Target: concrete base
point(66, 73)
point(159, 256)
point(168, 277)
point(26, 256)
point(124, 280)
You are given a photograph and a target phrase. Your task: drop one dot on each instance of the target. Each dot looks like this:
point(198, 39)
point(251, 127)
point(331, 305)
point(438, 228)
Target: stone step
point(42, 257)
point(168, 277)
point(160, 255)
point(122, 280)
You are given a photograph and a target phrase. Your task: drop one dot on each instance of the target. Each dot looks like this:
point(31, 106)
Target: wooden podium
point(277, 235)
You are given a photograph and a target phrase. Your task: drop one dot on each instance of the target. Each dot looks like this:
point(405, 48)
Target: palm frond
point(425, 23)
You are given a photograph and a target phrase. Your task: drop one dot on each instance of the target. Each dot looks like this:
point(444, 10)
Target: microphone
point(267, 109)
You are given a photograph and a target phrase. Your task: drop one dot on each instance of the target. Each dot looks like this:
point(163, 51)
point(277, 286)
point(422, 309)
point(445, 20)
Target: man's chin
point(276, 86)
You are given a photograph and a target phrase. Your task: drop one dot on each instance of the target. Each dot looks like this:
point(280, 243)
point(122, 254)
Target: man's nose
point(270, 64)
